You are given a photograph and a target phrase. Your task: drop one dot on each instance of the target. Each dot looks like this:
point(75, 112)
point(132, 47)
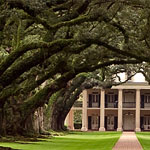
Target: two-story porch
point(120, 108)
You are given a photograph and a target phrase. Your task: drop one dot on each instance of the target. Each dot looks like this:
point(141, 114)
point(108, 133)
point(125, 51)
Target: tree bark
point(63, 102)
point(2, 126)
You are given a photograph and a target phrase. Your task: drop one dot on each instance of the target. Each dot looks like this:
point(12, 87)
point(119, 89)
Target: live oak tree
point(61, 102)
point(47, 41)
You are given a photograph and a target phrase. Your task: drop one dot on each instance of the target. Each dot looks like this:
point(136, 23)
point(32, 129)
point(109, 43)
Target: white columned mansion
point(122, 108)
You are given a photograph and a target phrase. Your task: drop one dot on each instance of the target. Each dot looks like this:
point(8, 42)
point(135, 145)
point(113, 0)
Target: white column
point(67, 121)
point(84, 111)
point(137, 129)
point(102, 111)
point(70, 120)
point(120, 96)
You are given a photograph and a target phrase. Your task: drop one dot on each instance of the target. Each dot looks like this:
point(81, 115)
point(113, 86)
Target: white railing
point(128, 104)
point(146, 127)
point(112, 105)
point(146, 105)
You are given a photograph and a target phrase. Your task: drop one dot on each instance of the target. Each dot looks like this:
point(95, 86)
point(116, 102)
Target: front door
point(110, 122)
point(95, 122)
point(129, 122)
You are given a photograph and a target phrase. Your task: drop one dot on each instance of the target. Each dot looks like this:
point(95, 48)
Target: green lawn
point(72, 141)
point(144, 139)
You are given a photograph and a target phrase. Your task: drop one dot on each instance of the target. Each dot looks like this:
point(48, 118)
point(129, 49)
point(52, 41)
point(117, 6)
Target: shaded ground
point(71, 141)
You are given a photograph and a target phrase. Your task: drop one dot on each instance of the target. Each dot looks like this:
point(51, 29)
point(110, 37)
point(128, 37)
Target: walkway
point(128, 141)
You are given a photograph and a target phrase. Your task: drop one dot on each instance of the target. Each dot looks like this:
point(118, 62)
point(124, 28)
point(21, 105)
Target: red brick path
point(128, 141)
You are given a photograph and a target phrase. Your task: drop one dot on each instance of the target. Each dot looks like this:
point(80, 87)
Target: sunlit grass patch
point(144, 139)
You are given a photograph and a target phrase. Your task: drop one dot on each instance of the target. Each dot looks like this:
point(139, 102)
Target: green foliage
point(51, 102)
point(78, 116)
point(55, 96)
point(3, 54)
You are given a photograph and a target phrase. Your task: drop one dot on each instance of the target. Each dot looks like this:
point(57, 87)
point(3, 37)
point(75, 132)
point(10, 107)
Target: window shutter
point(115, 123)
point(105, 100)
point(105, 122)
point(99, 100)
point(90, 100)
point(141, 123)
point(116, 101)
point(98, 121)
point(142, 101)
point(89, 122)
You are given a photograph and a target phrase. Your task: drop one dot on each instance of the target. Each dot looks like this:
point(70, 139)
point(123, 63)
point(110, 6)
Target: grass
point(71, 141)
point(144, 139)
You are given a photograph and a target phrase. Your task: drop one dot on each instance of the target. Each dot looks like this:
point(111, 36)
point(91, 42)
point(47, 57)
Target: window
point(147, 98)
point(110, 120)
point(111, 98)
point(95, 98)
point(147, 120)
point(129, 96)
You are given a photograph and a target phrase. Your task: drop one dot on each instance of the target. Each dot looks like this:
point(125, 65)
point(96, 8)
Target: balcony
point(111, 105)
point(78, 104)
point(93, 105)
point(145, 105)
point(146, 127)
point(129, 104)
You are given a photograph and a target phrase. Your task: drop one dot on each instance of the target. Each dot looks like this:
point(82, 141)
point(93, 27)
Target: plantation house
point(123, 107)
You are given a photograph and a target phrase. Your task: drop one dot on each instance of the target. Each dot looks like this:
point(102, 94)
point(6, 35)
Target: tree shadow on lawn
point(7, 148)
point(87, 140)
